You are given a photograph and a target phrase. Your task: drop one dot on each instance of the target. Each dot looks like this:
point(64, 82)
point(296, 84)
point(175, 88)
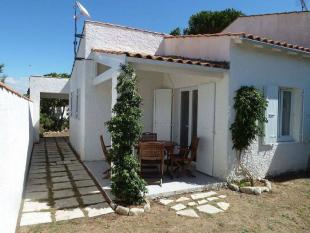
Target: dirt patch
point(285, 209)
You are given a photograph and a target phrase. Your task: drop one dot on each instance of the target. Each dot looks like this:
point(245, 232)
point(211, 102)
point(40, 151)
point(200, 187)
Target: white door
point(162, 113)
point(205, 128)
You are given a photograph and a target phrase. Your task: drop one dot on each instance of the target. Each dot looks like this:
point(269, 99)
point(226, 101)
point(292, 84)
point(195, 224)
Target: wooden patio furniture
point(148, 137)
point(107, 156)
point(184, 158)
point(151, 153)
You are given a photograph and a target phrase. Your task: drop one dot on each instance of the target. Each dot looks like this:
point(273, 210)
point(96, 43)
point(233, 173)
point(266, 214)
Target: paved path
point(59, 187)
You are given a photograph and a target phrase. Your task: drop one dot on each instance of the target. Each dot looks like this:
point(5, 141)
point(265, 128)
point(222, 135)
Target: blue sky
point(36, 35)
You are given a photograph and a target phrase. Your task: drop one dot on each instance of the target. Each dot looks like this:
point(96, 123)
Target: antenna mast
point(303, 5)
point(75, 29)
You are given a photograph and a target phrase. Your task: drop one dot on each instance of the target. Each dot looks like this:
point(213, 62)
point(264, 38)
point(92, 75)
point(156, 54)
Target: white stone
point(122, 210)
point(222, 196)
point(136, 211)
point(31, 206)
point(223, 205)
point(182, 199)
point(188, 213)
point(178, 207)
point(66, 202)
point(212, 198)
point(92, 199)
point(209, 209)
point(165, 201)
point(203, 201)
point(192, 203)
point(99, 209)
point(35, 218)
point(202, 195)
point(88, 190)
point(61, 215)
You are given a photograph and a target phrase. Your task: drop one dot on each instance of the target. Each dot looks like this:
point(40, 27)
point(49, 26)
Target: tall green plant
point(250, 106)
point(125, 129)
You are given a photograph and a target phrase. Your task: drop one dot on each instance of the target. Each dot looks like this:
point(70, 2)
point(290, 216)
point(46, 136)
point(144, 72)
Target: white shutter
point(162, 113)
point(306, 116)
point(271, 127)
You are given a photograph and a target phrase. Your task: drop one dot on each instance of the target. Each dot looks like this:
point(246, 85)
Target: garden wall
point(16, 141)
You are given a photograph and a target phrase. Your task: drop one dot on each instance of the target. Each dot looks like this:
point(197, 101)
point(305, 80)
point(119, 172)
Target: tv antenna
point(303, 5)
point(82, 12)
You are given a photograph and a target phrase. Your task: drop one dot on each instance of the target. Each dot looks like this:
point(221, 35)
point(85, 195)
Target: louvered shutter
point(306, 116)
point(271, 127)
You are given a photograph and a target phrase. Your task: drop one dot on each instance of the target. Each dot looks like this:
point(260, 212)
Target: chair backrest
point(104, 149)
point(193, 147)
point(151, 151)
point(149, 137)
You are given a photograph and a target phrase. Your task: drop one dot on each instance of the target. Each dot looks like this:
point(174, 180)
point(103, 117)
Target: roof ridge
point(10, 89)
point(276, 13)
point(125, 27)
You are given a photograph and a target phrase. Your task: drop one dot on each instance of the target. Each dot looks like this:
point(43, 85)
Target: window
point(71, 104)
point(285, 113)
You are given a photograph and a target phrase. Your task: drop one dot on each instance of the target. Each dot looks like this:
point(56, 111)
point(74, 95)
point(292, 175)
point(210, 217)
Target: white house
point(188, 83)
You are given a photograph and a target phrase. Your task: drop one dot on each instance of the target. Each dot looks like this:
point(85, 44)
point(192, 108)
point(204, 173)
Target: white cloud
point(20, 84)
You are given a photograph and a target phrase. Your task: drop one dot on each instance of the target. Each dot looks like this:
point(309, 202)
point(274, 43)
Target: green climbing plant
point(125, 129)
point(250, 106)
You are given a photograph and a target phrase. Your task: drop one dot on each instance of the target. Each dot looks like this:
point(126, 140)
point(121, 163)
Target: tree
point(52, 111)
point(125, 129)
point(57, 75)
point(206, 22)
point(250, 106)
point(176, 32)
point(2, 76)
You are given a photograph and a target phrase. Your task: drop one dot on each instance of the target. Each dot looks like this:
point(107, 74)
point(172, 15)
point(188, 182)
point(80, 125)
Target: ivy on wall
point(125, 128)
point(250, 106)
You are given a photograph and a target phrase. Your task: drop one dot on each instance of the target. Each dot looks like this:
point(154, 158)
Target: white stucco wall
point(50, 88)
point(262, 67)
point(293, 28)
point(214, 48)
point(16, 141)
point(119, 38)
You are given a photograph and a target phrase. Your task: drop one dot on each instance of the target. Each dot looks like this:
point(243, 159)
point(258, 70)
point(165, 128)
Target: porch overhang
point(164, 64)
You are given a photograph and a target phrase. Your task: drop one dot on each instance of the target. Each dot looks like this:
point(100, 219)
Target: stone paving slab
point(84, 183)
point(59, 187)
point(209, 209)
point(31, 206)
point(64, 185)
point(88, 190)
point(188, 213)
point(92, 199)
point(35, 218)
point(98, 209)
point(66, 203)
point(63, 193)
point(178, 207)
point(202, 195)
point(62, 215)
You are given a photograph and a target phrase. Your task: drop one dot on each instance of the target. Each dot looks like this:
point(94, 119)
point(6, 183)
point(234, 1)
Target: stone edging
point(257, 190)
point(121, 210)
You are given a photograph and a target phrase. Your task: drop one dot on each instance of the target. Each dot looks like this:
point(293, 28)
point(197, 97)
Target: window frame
point(285, 138)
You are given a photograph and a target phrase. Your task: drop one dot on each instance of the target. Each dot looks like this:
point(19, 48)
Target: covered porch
point(181, 99)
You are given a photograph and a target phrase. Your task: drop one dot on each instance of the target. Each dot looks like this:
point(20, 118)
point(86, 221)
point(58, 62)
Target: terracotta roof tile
point(247, 36)
point(174, 59)
point(2, 85)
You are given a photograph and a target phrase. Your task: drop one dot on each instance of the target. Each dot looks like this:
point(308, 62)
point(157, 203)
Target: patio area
point(183, 184)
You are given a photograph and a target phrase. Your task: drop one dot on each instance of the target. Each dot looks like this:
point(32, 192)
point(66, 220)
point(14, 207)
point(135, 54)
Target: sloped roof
point(174, 59)
point(9, 89)
point(250, 37)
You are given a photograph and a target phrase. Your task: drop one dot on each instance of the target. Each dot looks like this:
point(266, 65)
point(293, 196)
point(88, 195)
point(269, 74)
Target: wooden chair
point(152, 153)
point(185, 156)
point(107, 155)
point(148, 137)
